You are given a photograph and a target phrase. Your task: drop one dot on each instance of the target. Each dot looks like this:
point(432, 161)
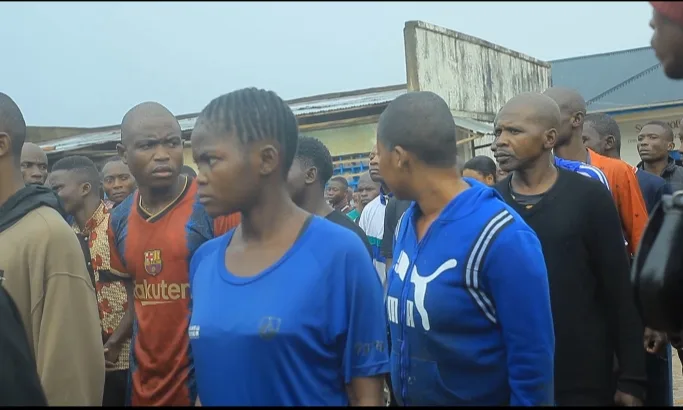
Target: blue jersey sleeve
point(365, 353)
point(518, 280)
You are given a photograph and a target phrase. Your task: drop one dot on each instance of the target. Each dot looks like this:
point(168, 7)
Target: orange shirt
point(627, 196)
point(155, 250)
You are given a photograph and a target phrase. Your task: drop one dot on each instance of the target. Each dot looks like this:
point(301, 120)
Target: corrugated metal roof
point(476, 126)
point(615, 80)
point(299, 109)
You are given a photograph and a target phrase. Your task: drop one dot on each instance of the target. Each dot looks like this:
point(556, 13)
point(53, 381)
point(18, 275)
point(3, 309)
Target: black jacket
point(672, 174)
point(26, 200)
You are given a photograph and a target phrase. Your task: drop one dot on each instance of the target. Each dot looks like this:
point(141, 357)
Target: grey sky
point(78, 64)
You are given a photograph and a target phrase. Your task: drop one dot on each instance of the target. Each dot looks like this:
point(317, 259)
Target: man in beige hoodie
point(42, 268)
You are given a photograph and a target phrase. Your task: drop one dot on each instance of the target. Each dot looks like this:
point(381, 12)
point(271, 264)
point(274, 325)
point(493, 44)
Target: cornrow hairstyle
point(341, 180)
point(81, 165)
point(313, 153)
point(256, 115)
point(482, 164)
point(668, 131)
point(12, 123)
point(605, 125)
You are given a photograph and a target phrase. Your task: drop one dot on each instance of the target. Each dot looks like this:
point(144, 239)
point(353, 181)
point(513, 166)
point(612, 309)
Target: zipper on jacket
point(403, 305)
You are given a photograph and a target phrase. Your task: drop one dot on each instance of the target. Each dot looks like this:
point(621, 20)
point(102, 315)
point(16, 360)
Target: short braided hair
point(311, 152)
point(255, 115)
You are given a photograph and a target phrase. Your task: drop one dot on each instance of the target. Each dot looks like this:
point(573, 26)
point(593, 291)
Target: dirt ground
point(678, 378)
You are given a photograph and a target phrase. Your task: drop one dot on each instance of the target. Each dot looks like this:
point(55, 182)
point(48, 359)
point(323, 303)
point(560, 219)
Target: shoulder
point(120, 214)
point(337, 240)
point(49, 223)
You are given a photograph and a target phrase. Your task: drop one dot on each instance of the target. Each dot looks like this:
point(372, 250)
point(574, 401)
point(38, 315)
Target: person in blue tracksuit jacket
point(468, 299)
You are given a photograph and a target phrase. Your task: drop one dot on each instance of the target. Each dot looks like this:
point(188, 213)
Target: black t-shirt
point(343, 220)
point(594, 312)
point(19, 381)
point(392, 213)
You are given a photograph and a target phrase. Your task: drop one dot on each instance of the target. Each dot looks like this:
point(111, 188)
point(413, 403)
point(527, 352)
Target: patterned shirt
point(112, 299)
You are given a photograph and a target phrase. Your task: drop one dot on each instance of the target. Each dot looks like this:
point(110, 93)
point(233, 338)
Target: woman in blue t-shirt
point(287, 307)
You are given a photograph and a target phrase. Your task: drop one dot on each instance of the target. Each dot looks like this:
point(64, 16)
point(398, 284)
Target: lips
point(502, 157)
point(162, 171)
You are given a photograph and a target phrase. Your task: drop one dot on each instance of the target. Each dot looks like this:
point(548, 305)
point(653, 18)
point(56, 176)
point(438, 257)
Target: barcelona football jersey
point(155, 250)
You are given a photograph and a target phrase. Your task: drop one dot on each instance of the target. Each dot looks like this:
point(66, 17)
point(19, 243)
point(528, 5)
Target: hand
point(626, 400)
point(654, 341)
point(111, 355)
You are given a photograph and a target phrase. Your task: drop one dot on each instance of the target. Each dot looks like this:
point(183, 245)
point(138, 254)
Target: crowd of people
point(262, 279)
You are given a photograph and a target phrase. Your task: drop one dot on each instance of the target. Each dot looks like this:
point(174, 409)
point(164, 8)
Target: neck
point(314, 202)
point(11, 186)
point(656, 167)
point(159, 197)
point(86, 212)
point(385, 188)
point(265, 220)
point(536, 179)
point(612, 154)
point(437, 189)
point(573, 150)
point(340, 205)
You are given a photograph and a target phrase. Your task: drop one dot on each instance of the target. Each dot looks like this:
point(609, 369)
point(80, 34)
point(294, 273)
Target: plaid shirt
point(112, 299)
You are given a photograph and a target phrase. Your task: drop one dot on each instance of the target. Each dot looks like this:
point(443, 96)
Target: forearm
point(366, 392)
point(124, 330)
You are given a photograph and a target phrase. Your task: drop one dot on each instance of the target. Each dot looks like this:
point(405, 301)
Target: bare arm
point(366, 391)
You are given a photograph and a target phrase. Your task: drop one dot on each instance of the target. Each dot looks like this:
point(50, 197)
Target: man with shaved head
point(33, 164)
point(578, 225)
point(42, 268)
point(621, 176)
point(153, 234)
point(468, 300)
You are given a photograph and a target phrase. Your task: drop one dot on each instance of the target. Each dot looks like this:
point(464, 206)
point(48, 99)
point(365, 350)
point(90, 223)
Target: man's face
point(519, 140)
point(153, 151)
point(653, 144)
point(667, 41)
point(118, 182)
point(367, 191)
point(374, 165)
point(592, 139)
point(34, 166)
point(70, 189)
point(335, 193)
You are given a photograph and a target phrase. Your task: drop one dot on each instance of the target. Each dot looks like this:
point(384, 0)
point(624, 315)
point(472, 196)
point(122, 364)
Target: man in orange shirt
point(622, 180)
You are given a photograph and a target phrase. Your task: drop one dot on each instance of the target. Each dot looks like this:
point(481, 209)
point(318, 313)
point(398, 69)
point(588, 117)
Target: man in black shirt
point(579, 228)
point(19, 381)
point(310, 171)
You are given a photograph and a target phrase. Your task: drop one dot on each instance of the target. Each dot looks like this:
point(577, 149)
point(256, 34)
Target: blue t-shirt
point(294, 334)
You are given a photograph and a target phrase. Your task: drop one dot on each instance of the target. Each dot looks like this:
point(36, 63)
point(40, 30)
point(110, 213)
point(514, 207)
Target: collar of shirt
point(384, 197)
point(95, 220)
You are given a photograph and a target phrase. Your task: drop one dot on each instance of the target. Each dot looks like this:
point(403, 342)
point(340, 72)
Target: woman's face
point(227, 178)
